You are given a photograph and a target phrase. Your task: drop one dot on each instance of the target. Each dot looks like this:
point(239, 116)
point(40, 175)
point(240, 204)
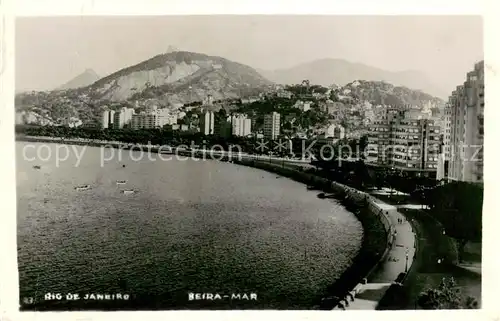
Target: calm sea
point(191, 226)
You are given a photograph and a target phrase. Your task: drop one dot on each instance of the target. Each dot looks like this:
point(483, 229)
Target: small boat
point(128, 191)
point(121, 182)
point(37, 167)
point(82, 187)
point(123, 165)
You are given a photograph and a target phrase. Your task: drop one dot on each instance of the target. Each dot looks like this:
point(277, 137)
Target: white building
point(147, 120)
point(111, 118)
point(272, 125)
point(303, 106)
point(105, 119)
point(369, 116)
point(447, 128)
point(334, 131)
point(440, 174)
point(207, 122)
point(123, 117)
point(415, 113)
point(157, 118)
point(467, 128)
point(240, 125)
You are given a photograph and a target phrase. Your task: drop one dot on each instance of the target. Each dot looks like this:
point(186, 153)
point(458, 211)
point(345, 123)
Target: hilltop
point(180, 77)
point(338, 71)
point(84, 79)
point(383, 93)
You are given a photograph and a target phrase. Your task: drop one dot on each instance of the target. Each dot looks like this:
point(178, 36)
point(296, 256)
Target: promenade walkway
point(399, 259)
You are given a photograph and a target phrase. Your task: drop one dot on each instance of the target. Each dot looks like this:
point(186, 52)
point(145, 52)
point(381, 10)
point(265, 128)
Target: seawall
point(377, 231)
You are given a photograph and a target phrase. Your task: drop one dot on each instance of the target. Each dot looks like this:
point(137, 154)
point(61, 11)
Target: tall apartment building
point(222, 127)
point(111, 118)
point(123, 117)
point(272, 125)
point(240, 125)
point(401, 140)
point(466, 125)
point(207, 122)
point(105, 119)
point(447, 127)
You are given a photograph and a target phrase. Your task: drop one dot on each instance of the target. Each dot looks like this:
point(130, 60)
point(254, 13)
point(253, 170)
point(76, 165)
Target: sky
point(52, 50)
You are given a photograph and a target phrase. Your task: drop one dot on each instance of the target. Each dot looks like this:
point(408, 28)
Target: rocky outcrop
point(180, 77)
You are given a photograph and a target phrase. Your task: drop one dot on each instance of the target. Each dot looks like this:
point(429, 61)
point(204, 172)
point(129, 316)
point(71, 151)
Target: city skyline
point(423, 43)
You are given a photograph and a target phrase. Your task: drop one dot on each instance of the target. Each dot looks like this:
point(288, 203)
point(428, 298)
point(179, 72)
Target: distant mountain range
point(84, 79)
point(180, 77)
point(341, 72)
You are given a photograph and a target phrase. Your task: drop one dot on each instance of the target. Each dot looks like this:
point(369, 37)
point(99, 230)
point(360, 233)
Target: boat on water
point(82, 187)
point(128, 191)
point(121, 182)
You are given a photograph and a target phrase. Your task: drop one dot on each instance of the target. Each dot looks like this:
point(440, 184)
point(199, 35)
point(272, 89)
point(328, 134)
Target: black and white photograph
point(249, 162)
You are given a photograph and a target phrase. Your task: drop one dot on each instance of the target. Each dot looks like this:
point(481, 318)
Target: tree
point(458, 206)
point(334, 96)
point(446, 296)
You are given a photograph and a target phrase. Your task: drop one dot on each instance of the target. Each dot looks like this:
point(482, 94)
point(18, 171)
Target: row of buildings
point(234, 125)
point(403, 139)
point(451, 145)
point(126, 117)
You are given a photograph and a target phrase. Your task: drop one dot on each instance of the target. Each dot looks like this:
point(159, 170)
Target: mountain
point(180, 77)
point(84, 79)
point(337, 71)
point(165, 80)
point(362, 92)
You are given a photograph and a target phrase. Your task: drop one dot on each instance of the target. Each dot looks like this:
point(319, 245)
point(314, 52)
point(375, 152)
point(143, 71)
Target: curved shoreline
point(376, 227)
point(377, 231)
